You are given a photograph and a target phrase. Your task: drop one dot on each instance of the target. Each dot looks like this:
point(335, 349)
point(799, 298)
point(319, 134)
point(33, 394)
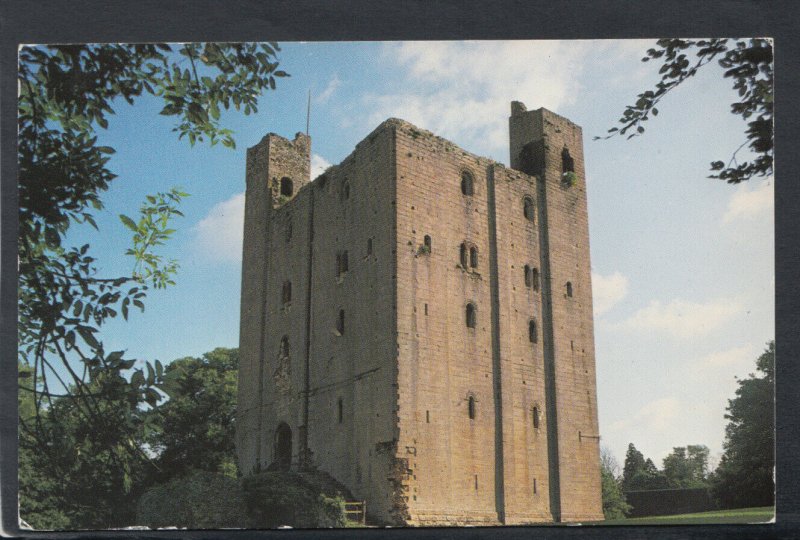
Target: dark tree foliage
point(614, 504)
point(640, 473)
point(86, 477)
point(67, 93)
point(195, 429)
point(744, 476)
point(687, 467)
point(748, 63)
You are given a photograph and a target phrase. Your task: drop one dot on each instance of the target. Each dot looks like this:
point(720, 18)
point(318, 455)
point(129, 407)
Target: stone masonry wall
point(383, 405)
point(564, 235)
point(353, 208)
point(263, 315)
point(442, 363)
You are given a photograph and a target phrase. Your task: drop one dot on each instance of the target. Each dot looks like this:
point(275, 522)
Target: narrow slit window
point(535, 418)
point(533, 334)
point(471, 316)
point(340, 411)
point(471, 407)
point(284, 350)
point(569, 289)
point(427, 243)
point(287, 186)
point(427, 417)
point(287, 292)
point(535, 279)
point(369, 246)
point(527, 208)
point(346, 190)
point(528, 276)
point(473, 257)
point(467, 187)
point(426, 309)
point(463, 255)
point(340, 323)
point(289, 231)
point(345, 265)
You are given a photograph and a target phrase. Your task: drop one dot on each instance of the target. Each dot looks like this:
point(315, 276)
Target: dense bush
point(202, 500)
point(206, 500)
point(274, 499)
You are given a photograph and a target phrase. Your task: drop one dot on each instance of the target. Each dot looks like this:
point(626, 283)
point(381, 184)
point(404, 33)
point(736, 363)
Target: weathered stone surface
point(381, 367)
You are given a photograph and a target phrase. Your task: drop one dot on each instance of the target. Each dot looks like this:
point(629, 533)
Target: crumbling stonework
point(436, 351)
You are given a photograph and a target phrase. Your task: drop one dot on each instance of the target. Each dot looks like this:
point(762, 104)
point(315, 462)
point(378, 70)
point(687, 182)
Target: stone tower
point(417, 323)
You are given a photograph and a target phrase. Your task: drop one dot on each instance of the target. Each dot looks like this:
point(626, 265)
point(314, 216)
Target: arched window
point(536, 417)
point(569, 289)
point(466, 183)
point(340, 323)
point(528, 276)
point(473, 257)
point(535, 279)
point(533, 334)
point(284, 351)
point(471, 407)
point(463, 255)
point(287, 292)
point(567, 163)
point(287, 186)
point(528, 208)
point(427, 243)
point(471, 315)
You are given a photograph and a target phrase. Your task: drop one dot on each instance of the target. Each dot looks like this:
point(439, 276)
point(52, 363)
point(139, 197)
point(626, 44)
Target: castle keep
point(417, 323)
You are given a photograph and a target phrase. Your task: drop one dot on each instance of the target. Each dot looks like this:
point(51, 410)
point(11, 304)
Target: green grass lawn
point(739, 515)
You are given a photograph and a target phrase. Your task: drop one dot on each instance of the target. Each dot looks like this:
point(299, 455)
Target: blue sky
point(683, 271)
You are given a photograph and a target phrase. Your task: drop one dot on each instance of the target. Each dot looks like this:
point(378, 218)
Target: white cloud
point(736, 360)
point(656, 416)
point(318, 165)
point(749, 202)
point(682, 318)
point(608, 291)
point(218, 236)
point(463, 90)
point(325, 95)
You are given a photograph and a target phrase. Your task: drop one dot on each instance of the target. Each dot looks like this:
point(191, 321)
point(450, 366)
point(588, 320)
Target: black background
point(84, 21)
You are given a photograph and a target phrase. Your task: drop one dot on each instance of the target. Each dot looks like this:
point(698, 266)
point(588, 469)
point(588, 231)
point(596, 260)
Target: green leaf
point(128, 222)
point(106, 149)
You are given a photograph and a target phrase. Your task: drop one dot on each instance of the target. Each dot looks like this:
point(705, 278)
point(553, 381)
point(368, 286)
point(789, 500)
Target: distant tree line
point(744, 476)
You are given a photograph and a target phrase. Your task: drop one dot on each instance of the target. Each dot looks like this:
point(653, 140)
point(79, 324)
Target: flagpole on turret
point(308, 111)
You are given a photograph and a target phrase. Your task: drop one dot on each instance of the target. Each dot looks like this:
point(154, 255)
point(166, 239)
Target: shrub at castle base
point(205, 500)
